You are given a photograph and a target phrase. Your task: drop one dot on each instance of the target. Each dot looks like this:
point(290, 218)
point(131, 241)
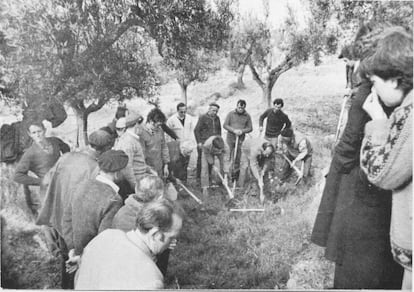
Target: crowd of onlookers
point(110, 210)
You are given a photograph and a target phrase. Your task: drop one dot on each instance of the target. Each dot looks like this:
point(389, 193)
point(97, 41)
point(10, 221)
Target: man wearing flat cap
point(208, 125)
point(69, 171)
point(128, 141)
point(94, 204)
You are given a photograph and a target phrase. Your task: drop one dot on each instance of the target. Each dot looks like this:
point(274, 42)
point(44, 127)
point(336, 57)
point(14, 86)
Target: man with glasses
point(238, 123)
point(183, 126)
point(277, 120)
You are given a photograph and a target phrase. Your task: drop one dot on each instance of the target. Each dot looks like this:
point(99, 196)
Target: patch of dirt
point(24, 262)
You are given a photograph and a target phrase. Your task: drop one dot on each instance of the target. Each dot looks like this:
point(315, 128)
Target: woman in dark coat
point(353, 220)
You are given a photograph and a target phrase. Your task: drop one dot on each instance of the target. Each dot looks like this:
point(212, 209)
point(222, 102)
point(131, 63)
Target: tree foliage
point(188, 34)
point(84, 53)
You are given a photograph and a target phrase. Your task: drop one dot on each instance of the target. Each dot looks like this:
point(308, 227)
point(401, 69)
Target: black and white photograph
point(206, 144)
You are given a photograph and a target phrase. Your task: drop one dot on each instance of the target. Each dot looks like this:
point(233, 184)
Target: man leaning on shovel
point(238, 123)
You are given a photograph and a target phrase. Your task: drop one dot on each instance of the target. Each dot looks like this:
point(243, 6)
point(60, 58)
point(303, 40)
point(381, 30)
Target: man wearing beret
point(128, 141)
point(69, 171)
point(208, 125)
point(94, 204)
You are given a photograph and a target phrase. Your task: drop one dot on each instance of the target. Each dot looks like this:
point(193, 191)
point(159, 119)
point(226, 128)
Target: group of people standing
point(365, 216)
point(119, 182)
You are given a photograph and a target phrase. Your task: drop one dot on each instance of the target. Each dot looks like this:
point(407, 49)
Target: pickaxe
point(299, 173)
point(224, 181)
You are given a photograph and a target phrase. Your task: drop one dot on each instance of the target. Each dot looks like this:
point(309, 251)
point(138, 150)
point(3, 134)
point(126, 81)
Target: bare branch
point(256, 76)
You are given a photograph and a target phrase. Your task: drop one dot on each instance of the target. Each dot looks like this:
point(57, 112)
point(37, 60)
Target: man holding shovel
point(238, 123)
point(297, 148)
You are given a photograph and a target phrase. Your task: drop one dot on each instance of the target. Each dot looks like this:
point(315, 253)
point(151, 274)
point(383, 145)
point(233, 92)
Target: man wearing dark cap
point(69, 171)
point(213, 147)
point(208, 125)
point(94, 204)
point(128, 141)
point(298, 149)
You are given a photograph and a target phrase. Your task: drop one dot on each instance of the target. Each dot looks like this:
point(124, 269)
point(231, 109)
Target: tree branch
point(256, 75)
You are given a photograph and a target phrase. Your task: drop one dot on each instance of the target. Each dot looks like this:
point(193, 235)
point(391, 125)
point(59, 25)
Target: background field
point(217, 248)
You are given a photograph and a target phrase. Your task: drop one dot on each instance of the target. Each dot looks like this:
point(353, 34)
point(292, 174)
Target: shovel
point(224, 182)
point(188, 191)
point(234, 162)
point(299, 173)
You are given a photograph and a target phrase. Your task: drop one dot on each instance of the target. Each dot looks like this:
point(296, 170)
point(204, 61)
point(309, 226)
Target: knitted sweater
point(38, 161)
point(236, 121)
point(276, 121)
point(386, 158)
point(93, 206)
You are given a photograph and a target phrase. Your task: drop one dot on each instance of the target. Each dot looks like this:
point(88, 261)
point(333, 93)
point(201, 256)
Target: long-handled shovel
point(299, 173)
point(234, 162)
point(224, 182)
point(189, 192)
point(341, 115)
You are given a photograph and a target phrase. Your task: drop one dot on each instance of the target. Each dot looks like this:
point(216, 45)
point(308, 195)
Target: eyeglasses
point(182, 112)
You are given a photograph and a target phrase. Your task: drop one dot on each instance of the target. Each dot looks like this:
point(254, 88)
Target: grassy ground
point(217, 248)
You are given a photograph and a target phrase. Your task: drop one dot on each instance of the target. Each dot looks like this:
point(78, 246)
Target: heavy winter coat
point(94, 205)
point(353, 219)
point(69, 171)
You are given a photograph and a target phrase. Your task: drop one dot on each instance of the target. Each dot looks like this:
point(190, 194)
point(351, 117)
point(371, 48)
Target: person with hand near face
point(386, 152)
point(118, 260)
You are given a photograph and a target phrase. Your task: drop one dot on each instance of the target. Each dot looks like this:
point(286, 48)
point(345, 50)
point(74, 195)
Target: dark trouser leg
point(68, 280)
point(162, 261)
point(179, 167)
point(199, 151)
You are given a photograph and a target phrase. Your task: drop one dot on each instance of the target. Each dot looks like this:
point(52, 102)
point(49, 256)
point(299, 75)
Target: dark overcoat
point(353, 219)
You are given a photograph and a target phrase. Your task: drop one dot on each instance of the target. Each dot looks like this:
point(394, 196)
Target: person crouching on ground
point(149, 189)
point(116, 260)
point(257, 156)
point(213, 147)
point(297, 149)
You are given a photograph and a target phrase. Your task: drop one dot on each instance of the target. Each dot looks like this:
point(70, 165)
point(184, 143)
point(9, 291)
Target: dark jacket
point(353, 219)
point(93, 206)
point(276, 121)
point(206, 127)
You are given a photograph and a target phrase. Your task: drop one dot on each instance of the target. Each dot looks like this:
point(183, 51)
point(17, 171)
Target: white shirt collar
point(110, 183)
